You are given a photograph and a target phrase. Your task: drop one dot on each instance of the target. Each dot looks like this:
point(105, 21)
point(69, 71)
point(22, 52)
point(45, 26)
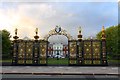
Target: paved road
point(57, 76)
point(58, 73)
point(64, 70)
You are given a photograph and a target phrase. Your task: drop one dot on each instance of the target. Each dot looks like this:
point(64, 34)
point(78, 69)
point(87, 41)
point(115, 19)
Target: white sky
point(45, 16)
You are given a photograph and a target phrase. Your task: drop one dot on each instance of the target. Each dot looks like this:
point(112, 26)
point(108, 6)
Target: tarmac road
point(59, 69)
point(59, 73)
point(57, 77)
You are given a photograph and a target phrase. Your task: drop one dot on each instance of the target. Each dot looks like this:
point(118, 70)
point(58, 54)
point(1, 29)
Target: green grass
point(6, 60)
point(114, 61)
point(63, 61)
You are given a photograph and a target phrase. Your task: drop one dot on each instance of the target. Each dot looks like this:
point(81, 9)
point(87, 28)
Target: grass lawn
point(114, 61)
point(6, 60)
point(54, 61)
point(63, 61)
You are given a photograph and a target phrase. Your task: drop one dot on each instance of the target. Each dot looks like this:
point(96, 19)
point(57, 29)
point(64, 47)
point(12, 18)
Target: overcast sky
point(91, 16)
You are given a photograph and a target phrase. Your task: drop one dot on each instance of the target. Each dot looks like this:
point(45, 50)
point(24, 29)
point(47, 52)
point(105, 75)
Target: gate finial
point(16, 31)
point(16, 37)
point(103, 33)
point(36, 30)
point(79, 34)
point(36, 36)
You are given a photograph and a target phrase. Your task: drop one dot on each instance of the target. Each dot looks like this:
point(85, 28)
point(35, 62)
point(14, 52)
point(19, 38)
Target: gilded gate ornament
point(16, 31)
point(81, 52)
point(58, 31)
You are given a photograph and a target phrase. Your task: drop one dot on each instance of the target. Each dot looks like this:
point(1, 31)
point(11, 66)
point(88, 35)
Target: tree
point(118, 39)
point(111, 41)
point(6, 44)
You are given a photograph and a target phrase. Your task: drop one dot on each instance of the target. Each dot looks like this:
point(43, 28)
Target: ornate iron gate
point(81, 52)
point(92, 52)
point(43, 52)
point(72, 50)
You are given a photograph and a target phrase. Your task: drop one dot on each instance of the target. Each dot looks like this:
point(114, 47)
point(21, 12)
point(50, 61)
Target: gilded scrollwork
point(62, 32)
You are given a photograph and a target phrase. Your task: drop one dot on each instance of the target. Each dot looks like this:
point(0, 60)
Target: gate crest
point(58, 31)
